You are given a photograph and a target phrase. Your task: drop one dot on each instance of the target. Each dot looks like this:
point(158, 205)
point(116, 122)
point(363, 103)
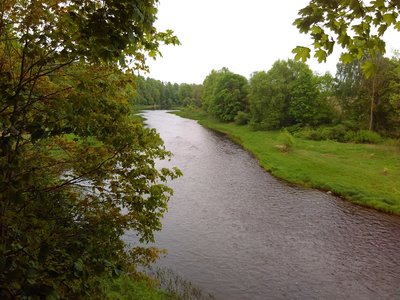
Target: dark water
point(237, 232)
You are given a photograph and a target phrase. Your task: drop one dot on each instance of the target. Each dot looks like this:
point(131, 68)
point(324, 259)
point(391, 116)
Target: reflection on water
point(239, 233)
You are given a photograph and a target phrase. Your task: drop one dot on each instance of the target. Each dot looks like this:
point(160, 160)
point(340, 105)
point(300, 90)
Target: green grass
point(125, 288)
point(163, 284)
point(365, 174)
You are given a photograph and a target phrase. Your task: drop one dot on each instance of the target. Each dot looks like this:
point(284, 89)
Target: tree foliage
point(75, 170)
point(366, 102)
point(287, 94)
point(149, 91)
point(357, 26)
point(190, 94)
point(225, 94)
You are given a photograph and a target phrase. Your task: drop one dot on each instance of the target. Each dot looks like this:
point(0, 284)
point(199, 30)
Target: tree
point(190, 94)
point(267, 100)
point(365, 100)
point(75, 170)
point(209, 88)
point(286, 95)
point(225, 94)
point(357, 26)
point(393, 107)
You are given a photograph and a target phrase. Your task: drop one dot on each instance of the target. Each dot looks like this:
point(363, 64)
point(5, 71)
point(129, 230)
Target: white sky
point(244, 36)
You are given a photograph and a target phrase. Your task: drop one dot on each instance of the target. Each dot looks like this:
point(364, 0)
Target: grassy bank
point(125, 288)
point(367, 175)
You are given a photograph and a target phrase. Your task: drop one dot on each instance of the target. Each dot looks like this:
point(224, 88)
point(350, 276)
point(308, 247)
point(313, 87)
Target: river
point(239, 233)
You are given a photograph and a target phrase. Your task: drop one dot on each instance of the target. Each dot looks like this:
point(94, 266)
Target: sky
point(244, 36)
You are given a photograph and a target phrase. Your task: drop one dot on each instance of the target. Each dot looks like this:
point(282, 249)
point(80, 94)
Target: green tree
point(267, 99)
point(304, 95)
point(365, 102)
point(75, 170)
point(393, 107)
point(287, 94)
point(209, 88)
point(190, 94)
point(225, 94)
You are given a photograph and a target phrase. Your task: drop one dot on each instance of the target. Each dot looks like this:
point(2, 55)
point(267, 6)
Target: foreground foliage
point(357, 26)
point(364, 174)
point(65, 202)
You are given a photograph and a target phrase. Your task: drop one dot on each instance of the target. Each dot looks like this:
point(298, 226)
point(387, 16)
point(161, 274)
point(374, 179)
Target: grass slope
point(367, 175)
point(125, 288)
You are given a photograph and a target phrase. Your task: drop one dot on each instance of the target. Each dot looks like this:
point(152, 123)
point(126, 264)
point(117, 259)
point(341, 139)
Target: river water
point(239, 233)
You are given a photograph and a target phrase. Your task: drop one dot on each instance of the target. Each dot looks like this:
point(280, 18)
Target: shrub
point(339, 133)
point(294, 128)
point(364, 137)
point(310, 134)
point(286, 141)
point(242, 118)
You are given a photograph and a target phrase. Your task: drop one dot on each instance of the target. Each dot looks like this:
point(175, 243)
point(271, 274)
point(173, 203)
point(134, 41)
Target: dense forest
point(152, 92)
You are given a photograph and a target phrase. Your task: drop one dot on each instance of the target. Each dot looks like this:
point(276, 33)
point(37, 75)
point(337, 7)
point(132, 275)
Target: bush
point(286, 141)
point(364, 137)
point(340, 133)
point(242, 118)
point(295, 128)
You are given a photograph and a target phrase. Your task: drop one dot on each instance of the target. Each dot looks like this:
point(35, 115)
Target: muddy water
point(237, 232)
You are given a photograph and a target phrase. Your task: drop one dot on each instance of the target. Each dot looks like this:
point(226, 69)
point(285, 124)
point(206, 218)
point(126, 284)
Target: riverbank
point(364, 174)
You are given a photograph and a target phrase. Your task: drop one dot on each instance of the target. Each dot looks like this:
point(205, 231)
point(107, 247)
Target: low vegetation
point(365, 174)
point(126, 288)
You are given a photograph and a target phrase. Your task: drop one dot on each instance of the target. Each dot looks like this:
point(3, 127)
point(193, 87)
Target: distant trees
point(225, 94)
point(190, 94)
point(149, 91)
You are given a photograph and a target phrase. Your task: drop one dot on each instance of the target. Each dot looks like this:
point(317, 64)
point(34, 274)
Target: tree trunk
point(371, 114)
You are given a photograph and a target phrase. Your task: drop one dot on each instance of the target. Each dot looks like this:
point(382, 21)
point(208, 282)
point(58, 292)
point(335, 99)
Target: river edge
point(360, 193)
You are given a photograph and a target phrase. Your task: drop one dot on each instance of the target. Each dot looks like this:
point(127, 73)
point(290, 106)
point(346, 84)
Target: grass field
point(365, 174)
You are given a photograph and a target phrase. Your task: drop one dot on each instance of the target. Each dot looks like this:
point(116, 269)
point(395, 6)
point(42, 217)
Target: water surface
point(239, 233)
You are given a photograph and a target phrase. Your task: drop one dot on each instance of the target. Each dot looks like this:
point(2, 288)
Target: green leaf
point(301, 53)
point(346, 58)
point(389, 19)
point(369, 68)
point(316, 30)
point(397, 26)
point(382, 29)
point(78, 265)
point(320, 55)
point(378, 3)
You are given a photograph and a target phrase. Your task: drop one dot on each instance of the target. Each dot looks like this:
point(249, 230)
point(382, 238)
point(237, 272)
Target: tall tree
point(267, 99)
point(365, 100)
point(75, 170)
point(225, 94)
point(287, 94)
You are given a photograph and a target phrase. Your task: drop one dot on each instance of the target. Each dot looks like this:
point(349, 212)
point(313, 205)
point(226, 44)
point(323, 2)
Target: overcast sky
point(244, 36)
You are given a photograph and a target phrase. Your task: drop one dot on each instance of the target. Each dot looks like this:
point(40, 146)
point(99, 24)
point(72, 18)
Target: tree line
point(149, 91)
point(290, 95)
